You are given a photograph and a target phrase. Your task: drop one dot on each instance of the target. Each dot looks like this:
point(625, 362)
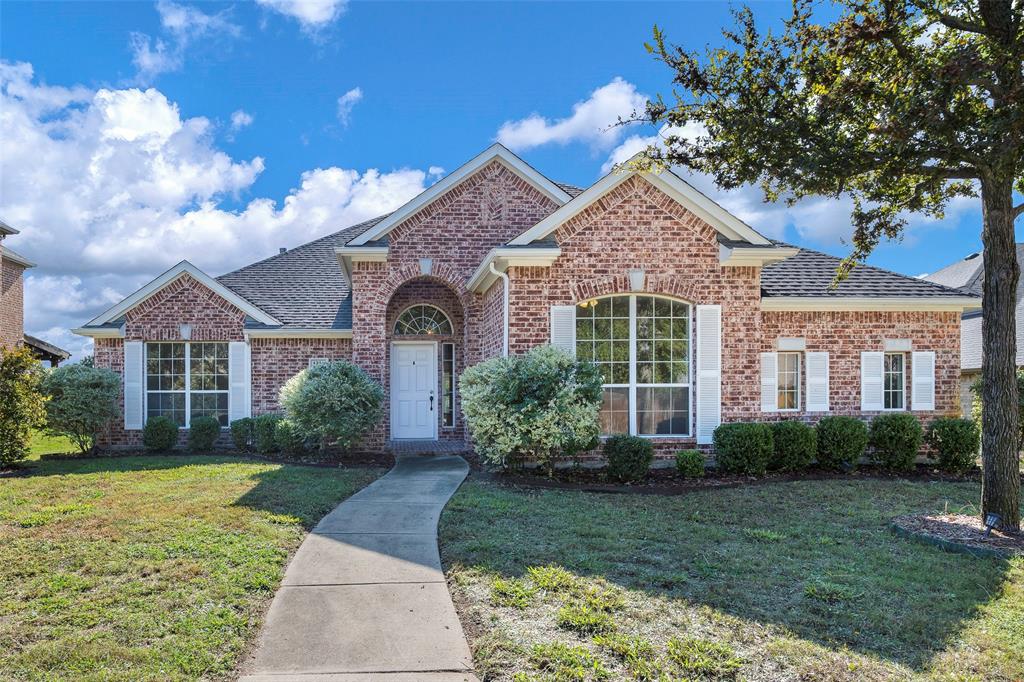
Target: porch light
point(186, 332)
point(588, 304)
point(992, 520)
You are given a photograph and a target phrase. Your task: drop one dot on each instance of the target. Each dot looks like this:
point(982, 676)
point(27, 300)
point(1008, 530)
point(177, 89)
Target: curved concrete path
point(365, 598)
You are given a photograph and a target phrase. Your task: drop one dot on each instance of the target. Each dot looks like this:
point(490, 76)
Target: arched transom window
point(642, 345)
point(422, 319)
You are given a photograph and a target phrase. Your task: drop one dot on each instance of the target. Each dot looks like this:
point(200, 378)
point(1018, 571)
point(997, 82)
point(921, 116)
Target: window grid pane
point(448, 384)
point(894, 382)
point(789, 381)
point(185, 381)
point(422, 319)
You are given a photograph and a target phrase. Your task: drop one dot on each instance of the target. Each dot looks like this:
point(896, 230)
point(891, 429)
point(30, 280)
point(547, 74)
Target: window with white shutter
point(134, 368)
point(709, 371)
point(769, 382)
point(922, 368)
point(871, 380)
point(239, 401)
point(563, 328)
point(817, 382)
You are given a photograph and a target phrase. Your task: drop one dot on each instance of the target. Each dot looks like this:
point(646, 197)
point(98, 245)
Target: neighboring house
point(968, 275)
point(693, 316)
point(12, 304)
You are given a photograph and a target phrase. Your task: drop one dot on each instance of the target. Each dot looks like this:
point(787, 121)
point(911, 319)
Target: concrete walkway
point(365, 599)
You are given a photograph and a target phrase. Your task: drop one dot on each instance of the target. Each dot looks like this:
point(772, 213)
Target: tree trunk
point(1000, 457)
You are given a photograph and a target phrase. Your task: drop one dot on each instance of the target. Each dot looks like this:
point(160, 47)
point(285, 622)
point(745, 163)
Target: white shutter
point(239, 402)
point(769, 382)
point(563, 328)
point(709, 371)
point(817, 382)
point(871, 376)
point(134, 368)
point(923, 373)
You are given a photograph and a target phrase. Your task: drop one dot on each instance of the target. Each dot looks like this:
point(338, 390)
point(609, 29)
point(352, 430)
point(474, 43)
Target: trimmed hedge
point(841, 442)
point(288, 439)
point(795, 445)
point(263, 428)
point(743, 448)
point(160, 434)
point(690, 463)
point(956, 443)
point(203, 433)
point(241, 434)
point(895, 440)
point(629, 457)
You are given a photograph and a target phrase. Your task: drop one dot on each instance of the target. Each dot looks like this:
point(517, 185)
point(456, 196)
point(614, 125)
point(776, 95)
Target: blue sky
point(136, 134)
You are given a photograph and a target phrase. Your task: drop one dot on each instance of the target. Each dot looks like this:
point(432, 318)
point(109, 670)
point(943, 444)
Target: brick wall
point(12, 303)
point(275, 361)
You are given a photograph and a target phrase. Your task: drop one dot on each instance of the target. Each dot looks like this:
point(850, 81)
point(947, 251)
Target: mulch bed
point(668, 482)
point(959, 533)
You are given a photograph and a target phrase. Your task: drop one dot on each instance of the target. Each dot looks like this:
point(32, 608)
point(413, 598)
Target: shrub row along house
point(693, 316)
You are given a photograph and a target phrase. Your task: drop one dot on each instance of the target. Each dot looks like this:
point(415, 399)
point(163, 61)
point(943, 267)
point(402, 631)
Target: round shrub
point(955, 442)
point(81, 402)
point(288, 439)
point(203, 433)
point(795, 444)
point(241, 434)
point(690, 463)
point(629, 457)
point(895, 440)
point(263, 428)
point(334, 403)
point(743, 448)
point(160, 434)
point(540, 405)
point(841, 442)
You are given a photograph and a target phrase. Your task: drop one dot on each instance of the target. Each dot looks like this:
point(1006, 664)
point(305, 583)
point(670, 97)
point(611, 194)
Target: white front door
point(413, 391)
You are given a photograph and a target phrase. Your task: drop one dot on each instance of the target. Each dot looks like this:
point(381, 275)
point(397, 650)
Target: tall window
point(447, 384)
point(895, 381)
point(642, 346)
point(187, 380)
point(422, 319)
point(788, 381)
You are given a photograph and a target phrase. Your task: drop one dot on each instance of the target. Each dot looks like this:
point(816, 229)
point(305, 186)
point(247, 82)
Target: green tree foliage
point(21, 403)
point(334, 403)
point(81, 402)
point(537, 406)
point(897, 106)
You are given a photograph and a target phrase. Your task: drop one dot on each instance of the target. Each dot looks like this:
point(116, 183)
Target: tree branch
point(951, 21)
point(1017, 210)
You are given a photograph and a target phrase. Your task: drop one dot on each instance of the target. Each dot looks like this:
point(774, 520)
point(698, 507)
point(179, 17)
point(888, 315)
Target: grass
point(42, 444)
point(800, 580)
point(148, 568)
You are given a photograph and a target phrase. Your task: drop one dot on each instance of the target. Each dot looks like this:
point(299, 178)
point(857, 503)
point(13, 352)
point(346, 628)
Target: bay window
point(642, 346)
point(187, 380)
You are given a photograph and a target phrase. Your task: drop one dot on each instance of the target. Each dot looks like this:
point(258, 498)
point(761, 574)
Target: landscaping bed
point(155, 567)
point(799, 580)
point(960, 532)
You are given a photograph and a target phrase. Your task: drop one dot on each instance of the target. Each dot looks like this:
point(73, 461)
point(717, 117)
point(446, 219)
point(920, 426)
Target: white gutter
point(100, 332)
point(297, 333)
point(867, 303)
point(504, 279)
point(503, 257)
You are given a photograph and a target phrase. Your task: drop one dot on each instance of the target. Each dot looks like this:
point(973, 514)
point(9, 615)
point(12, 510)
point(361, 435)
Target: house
point(693, 316)
point(968, 275)
point(12, 304)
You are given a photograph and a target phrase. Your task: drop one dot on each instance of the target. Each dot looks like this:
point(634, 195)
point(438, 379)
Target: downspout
point(504, 279)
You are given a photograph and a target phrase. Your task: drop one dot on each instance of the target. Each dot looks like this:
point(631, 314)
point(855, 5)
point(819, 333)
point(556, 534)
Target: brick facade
point(12, 303)
point(635, 226)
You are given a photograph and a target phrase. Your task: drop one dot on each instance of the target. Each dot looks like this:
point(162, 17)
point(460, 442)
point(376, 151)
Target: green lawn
point(796, 580)
point(43, 444)
point(148, 568)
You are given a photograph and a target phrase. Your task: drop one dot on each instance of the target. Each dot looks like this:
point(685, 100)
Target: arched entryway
point(425, 325)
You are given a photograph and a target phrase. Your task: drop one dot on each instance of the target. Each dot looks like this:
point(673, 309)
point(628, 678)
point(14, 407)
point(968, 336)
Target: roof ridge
point(877, 268)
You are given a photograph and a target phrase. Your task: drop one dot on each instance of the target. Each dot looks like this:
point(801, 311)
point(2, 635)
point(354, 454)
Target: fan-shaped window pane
point(422, 319)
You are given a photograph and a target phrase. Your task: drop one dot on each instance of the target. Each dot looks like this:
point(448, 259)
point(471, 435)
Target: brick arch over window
point(407, 272)
point(665, 285)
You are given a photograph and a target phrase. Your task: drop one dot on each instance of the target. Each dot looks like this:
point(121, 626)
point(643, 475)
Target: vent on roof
point(973, 256)
point(283, 249)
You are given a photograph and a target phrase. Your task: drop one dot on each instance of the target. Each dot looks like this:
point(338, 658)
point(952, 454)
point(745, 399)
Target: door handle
point(431, 403)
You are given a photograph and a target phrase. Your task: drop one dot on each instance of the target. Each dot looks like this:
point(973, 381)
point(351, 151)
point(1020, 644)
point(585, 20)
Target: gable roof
point(15, 257)
point(171, 275)
point(965, 274)
point(496, 152)
point(6, 229)
point(303, 288)
point(809, 274)
point(728, 225)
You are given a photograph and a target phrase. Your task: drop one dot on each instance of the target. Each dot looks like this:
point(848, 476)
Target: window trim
point(634, 384)
point(447, 318)
point(188, 390)
point(799, 379)
point(903, 381)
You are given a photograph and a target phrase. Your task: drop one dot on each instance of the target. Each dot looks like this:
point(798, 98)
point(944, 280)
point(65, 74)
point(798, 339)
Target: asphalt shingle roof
point(810, 273)
point(303, 287)
point(964, 274)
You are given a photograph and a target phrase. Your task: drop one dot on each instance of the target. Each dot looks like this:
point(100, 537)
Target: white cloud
point(241, 119)
point(183, 24)
point(592, 121)
point(312, 15)
point(111, 187)
point(346, 103)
